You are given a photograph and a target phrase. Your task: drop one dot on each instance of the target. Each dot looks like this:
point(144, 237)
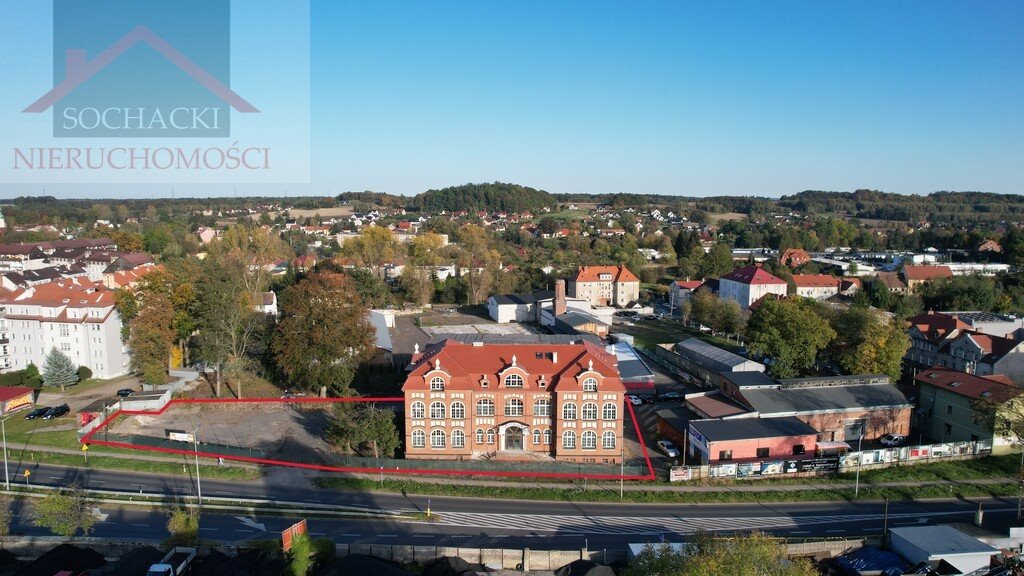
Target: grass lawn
point(83, 387)
point(650, 333)
point(21, 458)
point(609, 492)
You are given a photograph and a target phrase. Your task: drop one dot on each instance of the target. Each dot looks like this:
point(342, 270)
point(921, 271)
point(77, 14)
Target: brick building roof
point(753, 275)
point(593, 274)
point(996, 387)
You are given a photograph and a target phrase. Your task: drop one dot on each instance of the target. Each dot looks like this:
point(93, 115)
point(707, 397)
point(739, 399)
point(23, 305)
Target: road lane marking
point(238, 530)
point(387, 535)
point(141, 525)
point(317, 534)
point(348, 535)
point(209, 529)
point(834, 531)
point(799, 532)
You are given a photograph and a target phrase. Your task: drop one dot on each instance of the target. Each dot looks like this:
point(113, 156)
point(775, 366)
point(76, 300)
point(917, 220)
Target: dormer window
point(590, 385)
point(437, 383)
point(513, 381)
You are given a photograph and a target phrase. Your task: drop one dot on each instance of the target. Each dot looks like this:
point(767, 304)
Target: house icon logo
point(153, 69)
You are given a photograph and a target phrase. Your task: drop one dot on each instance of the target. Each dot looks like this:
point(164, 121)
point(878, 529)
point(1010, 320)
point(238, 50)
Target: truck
point(175, 563)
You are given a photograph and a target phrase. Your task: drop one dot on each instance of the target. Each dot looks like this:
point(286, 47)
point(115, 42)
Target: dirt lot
point(280, 431)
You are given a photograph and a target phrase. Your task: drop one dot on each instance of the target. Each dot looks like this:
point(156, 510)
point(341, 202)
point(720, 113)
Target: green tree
point(323, 334)
point(717, 262)
point(65, 512)
point(373, 248)
point(705, 555)
point(703, 305)
point(151, 337)
point(868, 342)
point(183, 526)
point(59, 370)
point(728, 317)
point(789, 333)
point(363, 428)
point(299, 556)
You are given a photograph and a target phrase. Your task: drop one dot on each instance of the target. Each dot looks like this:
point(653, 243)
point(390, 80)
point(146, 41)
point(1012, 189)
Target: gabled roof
point(891, 280)
point(815, 281)
point(926, 272)
point(997, 387)
point(689, 284)
point(936, 326)
point(753, 275)
point(593, 274)
point(469, 364)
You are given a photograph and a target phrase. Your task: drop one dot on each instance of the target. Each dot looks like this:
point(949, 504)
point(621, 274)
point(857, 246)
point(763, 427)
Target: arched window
point(479, 435)
point(589, 440)
point(547, 437)
point(608, 440)
point(590, 385)
point(542, 407)
point(536, 437)
point(437, 439)
point(485, 407)
point(513, 381)
point(419, 439)
point(569, 439)
point(458, 410)
point(609, 412)
point(589, 411)
point(419, 410)
point(458, 439)
point(437, 410)
point(437, 383)
point(490, 436)
point(513, 407)
point(569, 411)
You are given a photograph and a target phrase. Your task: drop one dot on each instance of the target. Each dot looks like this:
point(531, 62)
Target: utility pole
point(622, 464)
point(199, 485)
point(860, 458)
point(885, 520)
point(7, 475)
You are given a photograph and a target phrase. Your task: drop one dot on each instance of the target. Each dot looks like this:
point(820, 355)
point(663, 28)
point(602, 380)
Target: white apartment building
point(749, 284)
point(75, 316)
point(605, 285)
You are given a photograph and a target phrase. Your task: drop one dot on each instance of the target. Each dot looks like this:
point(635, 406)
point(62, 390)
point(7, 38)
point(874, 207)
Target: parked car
point(668, 448)
point(670, 397)
point(37, 413)
point(893, 440)
point(634, 400)
point(125, 392)
point(645, 398)
point(56, 412)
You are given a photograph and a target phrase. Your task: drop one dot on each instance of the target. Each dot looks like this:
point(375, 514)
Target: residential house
point(605, 285)
point(952, 405)
point(893, 282)
point(938, 339)
point(795, 257)
point(514, 401)
point(816, 286)
point(915, 276)
point(748, 284)
point(680, 291)
point(990, 246)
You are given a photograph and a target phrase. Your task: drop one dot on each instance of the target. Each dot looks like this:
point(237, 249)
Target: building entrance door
point(514, 439)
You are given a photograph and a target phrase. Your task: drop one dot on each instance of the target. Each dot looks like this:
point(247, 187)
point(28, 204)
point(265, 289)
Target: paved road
point(481, 522)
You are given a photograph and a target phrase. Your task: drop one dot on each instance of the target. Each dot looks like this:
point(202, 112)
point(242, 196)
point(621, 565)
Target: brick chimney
point(559, 307)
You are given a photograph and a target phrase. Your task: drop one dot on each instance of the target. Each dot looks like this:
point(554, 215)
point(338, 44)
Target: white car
point(634, 400)
point(668, 448)
point(892, 440)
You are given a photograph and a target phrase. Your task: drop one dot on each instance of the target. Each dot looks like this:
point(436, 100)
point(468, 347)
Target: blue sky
point(765, 98)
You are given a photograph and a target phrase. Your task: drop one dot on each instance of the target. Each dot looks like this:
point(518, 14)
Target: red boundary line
point(88, 439)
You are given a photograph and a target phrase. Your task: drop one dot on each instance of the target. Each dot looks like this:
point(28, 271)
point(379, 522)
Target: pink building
point(749, 439)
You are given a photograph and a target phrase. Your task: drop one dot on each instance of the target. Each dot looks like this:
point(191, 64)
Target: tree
point(299, 555)
point(702, 306)
point(373, 248)
point(728, 317)
point(717, 262)
point(363, 428)
point(65, 512)
point(479, 259)
point(417, 278)
point(183, 525)
point(151, 337)
point(868, 342)
point(59, 370)
point(323, 334)
point(705, 555)
point(789, 333)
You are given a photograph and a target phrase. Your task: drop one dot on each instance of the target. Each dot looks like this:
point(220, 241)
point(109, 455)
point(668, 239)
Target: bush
point(183, 525)
point(33, 382)
point(31, 371)
point(299, 555)
point(324, 550)
point(12, 378)
point(84, 373)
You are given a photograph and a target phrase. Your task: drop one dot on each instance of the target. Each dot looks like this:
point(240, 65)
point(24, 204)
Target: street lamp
point(6, 475)
point(860, 458)
point(199, 484)
point(622, 463)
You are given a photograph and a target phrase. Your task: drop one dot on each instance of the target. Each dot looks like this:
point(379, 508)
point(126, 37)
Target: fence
point(849, 462)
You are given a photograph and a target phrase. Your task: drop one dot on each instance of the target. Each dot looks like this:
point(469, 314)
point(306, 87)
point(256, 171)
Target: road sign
point(291, 532)
point(85, 447)
point(27, 473)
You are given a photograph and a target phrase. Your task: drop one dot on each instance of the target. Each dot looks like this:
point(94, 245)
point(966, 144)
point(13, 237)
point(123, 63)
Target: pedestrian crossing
point(586, 524)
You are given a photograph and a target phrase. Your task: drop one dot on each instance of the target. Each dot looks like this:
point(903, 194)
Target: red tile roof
point(593, 274)
point(470, 364)
point(926, 272)
point(753, 275)
point(689, 284)
point(998, 386)
point(815, 281)
point(936, 325)
point(795, 256)
point(890, 280)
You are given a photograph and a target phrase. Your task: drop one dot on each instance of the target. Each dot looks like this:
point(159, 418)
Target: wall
point(879, 423)
point(777, 448)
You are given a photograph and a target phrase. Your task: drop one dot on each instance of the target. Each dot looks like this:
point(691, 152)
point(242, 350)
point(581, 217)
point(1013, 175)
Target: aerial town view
point(448, 288)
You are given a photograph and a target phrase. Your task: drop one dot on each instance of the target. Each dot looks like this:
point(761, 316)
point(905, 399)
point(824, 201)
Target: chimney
point(559, 306)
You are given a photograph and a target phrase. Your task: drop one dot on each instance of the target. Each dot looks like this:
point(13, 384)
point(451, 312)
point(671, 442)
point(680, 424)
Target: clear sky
point(764, 98)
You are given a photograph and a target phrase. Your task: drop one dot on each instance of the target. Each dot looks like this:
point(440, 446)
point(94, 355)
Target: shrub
point(299, 555)
point(324, 550)
point(33, 382)
point(183, 524)
point(84, 373)
point(31, 371)
point(12, 378)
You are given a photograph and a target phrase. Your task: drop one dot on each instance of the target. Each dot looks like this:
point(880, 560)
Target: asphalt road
point(496, 523)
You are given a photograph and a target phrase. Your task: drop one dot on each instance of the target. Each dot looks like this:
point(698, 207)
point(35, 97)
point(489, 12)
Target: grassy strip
point(106, 462)
point(610, 492)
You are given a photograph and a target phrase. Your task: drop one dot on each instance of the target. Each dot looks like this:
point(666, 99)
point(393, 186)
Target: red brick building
point(529, 401)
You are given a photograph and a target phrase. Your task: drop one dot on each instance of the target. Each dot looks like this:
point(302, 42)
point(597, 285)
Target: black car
point(125, 392)
point(670, 397)
point(56, 412)
point(37, 413)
